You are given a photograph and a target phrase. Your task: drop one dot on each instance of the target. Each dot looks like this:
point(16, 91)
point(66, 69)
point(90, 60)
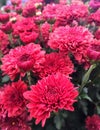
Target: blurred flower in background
point(9, 2)
point(95, 4)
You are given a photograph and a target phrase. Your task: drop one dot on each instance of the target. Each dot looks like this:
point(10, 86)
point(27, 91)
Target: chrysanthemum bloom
point(97, 34)
point(63, 15)
point(73, 40)
point(74, 11)
point(95, 4)
point(45, 31)
point(19, 9)
point(7, 8)
point(70, 2)
point(33, 2)
point(77, 2)
point(55, 62)
point(93, 51)
point(4, 41)
point(13, 100)
point(7, 28)
point(3, 112)
point(27, 30)
point(28, 37)
point(79, 11)
point(4, 18)
point(63, 1)
point(93, 123)
point(50, 94)
point(28, 11)
point(49, 11)
point(16, 123)
point(17, 2)
point(22, 59)
point(95, 17)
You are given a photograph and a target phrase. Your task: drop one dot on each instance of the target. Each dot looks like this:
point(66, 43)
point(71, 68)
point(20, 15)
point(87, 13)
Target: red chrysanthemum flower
point(28, 37)
point(77, 2)
point(4, 18)
point(79, 11)
point(52, 93)
point(73, 40)
point(17, 2)
point(4, 41)
point(68, 2)
point(95, 17)
point(97, 34)
point(93, 51)
point(33, 2)
point(73, 12)
point(26, 29)
point(3, 112)
point(29, 10)
point(55, 62)
point(63, 15)
point(95, 4)
point(49, 11)
point(93, 123)
point(13, 100)
point(16, 123)
point(45, 31)
point(7, 28)
point(22, 59)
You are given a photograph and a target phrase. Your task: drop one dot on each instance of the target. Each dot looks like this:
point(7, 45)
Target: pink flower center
point(25, 57)
point(52, 91)
point(25, 62)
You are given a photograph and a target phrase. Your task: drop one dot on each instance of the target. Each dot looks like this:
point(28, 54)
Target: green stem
point(10, 39)
point(86, 76)
point(0, 53)
point(29, 78)
point(50, 27)
point(41, 38)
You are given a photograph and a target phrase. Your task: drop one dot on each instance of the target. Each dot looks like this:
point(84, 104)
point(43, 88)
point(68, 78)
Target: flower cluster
point(93, 123)
point(13, 107)
point(48, 50)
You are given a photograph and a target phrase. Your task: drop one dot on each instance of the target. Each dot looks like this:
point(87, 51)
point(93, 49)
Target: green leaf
point(98, 109)
point(64, 114)
point(59, 121)
point(85, 96)
point(84, 107)
point(86, 76)
point(5, 79)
